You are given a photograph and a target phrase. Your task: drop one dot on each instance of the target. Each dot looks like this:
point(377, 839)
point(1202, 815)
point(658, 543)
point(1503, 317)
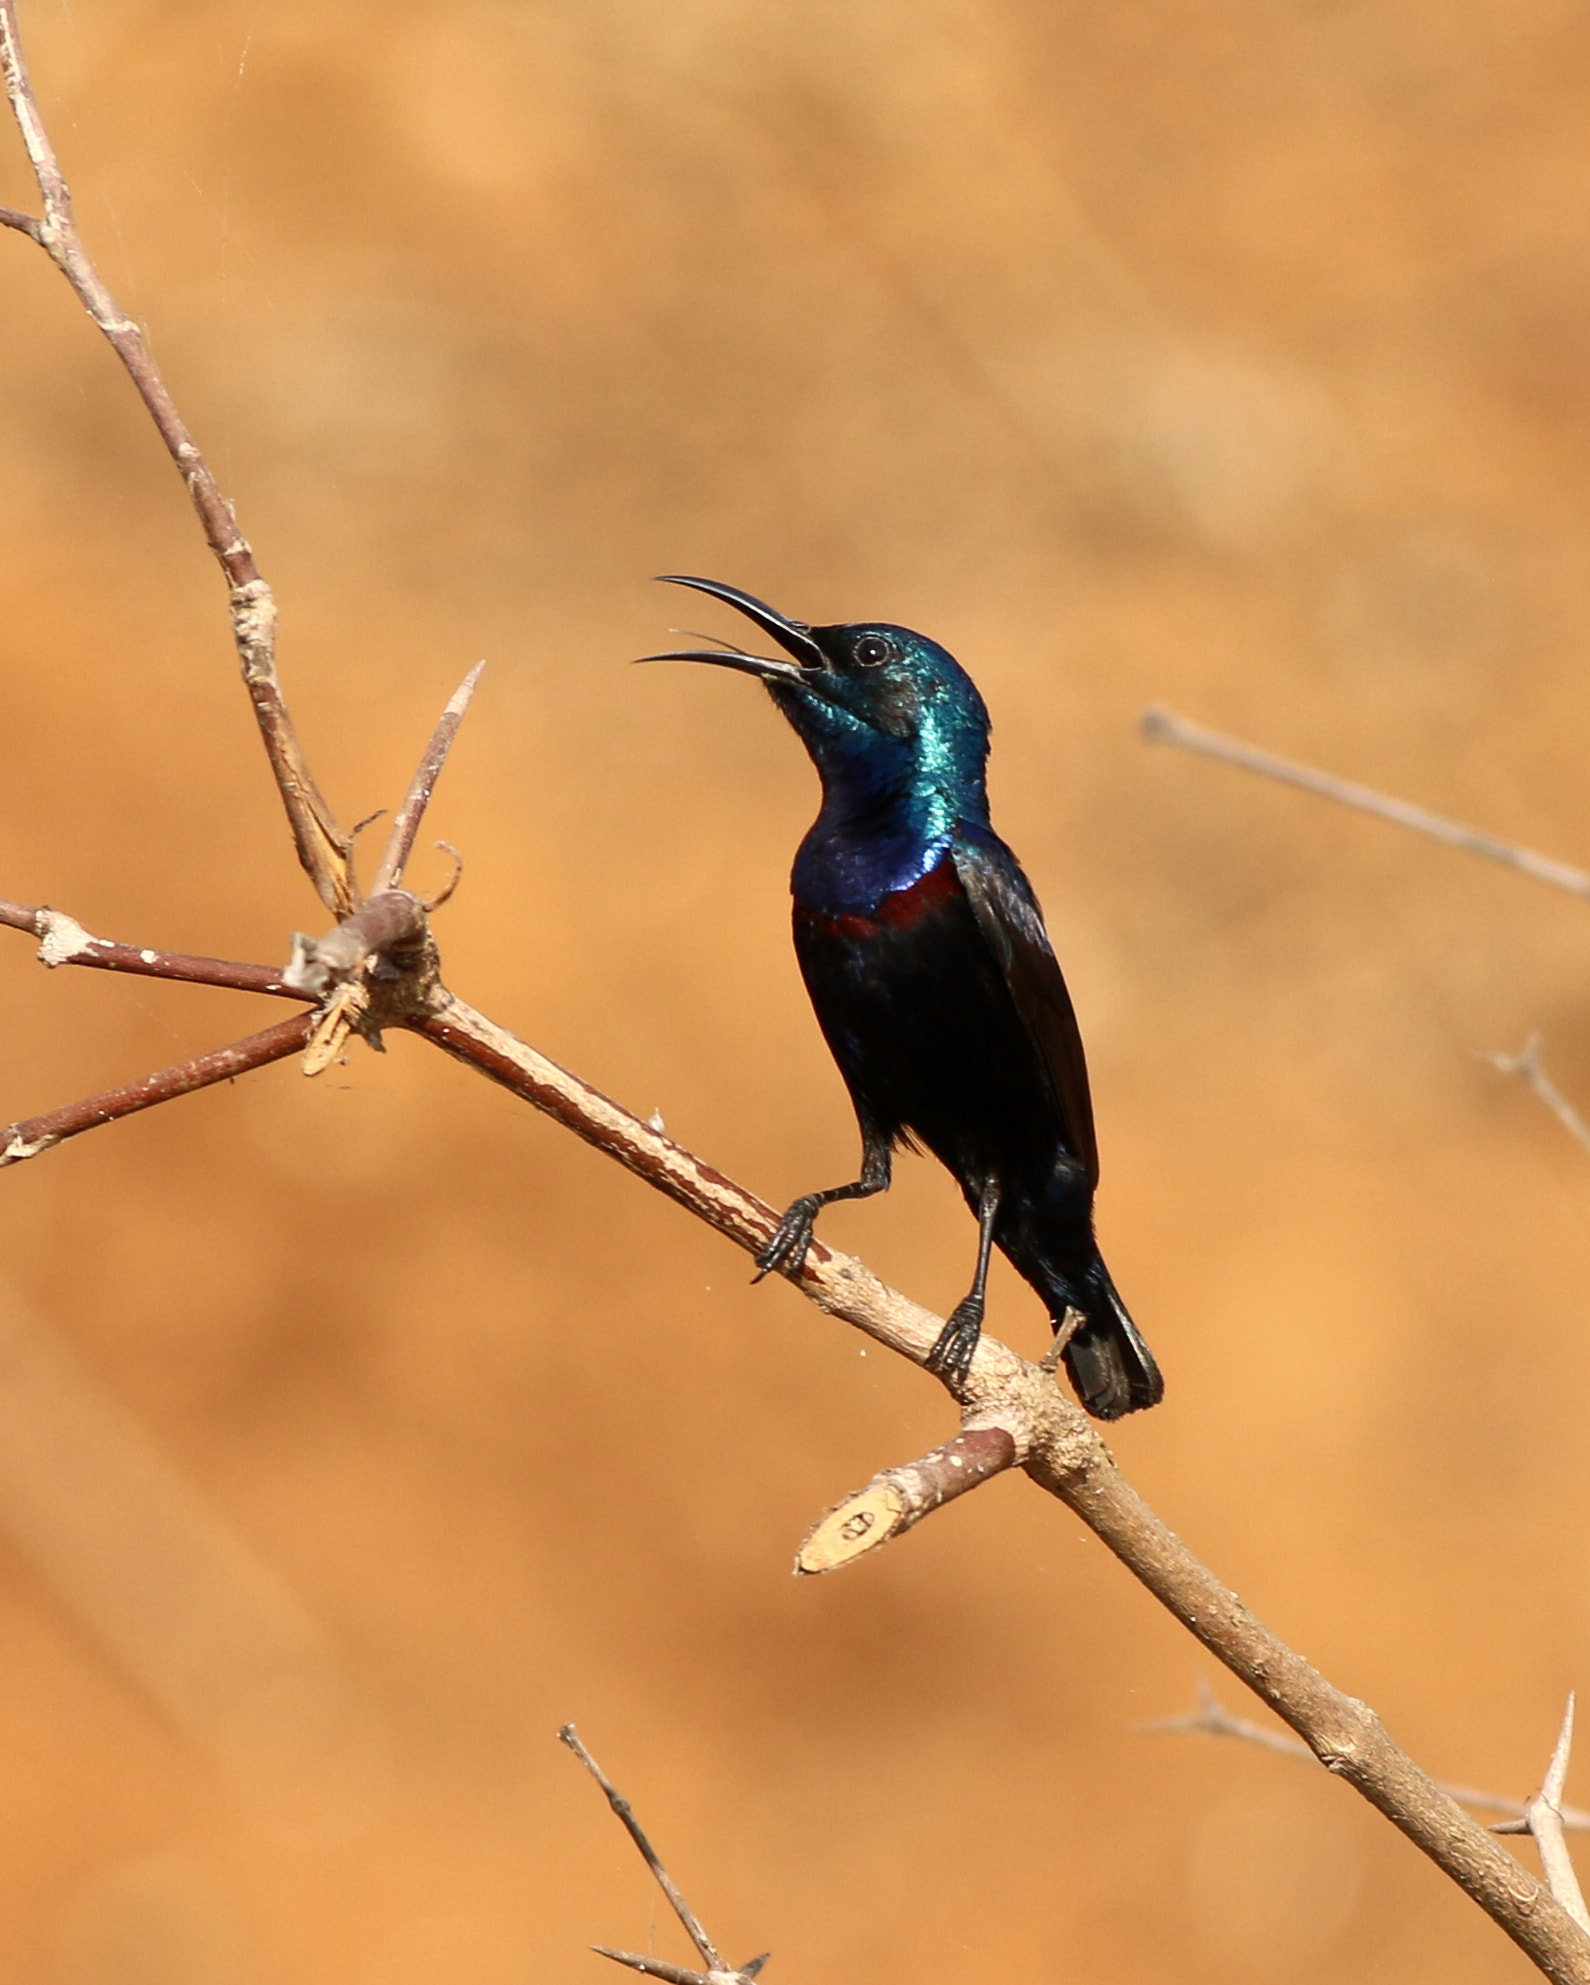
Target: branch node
point(1530, 1068)
point(62, 939)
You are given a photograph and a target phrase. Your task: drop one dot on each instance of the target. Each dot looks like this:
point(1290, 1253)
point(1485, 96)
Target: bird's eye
point(873, 649)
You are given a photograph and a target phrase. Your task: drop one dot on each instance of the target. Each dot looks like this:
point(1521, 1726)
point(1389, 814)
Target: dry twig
point(409, 815)
point(379, 970)
point(716, 1972)
point(1162, 727)
point(63, 941)
point(34, 1135)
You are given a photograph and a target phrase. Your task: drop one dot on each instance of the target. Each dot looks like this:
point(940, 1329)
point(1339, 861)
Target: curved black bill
point(793, 636)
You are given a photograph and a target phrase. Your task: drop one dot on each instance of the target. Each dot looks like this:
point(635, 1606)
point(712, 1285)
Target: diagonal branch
point(325, 851)
point(34, 1135)
point(1162, 727)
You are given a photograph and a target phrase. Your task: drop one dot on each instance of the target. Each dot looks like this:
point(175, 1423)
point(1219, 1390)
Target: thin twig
point(1213, 1719)
point(323, 848)
point(1531, 1071)
point(1162, 727)
point(687, 1916)
point(400, 843)
point(65, 942)
point(1545, 1817)
point(33, 1135)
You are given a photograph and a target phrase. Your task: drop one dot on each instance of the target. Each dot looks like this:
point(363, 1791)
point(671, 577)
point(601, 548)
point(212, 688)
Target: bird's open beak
point(793, 636)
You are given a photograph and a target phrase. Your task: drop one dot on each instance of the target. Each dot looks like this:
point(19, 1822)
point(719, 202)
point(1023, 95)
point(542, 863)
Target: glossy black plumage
point(934, 983)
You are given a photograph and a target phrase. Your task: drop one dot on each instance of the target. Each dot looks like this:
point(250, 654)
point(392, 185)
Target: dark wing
point(1009, 918)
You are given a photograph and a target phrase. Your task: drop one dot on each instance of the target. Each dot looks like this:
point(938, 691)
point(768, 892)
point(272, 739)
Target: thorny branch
point(1213, 1719)
point(379, 969)
point(1161, 727)
point(716, 1972)
point(1545, 1816)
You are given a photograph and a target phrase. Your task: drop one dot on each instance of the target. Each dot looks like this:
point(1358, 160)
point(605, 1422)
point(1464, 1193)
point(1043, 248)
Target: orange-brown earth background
point(354, 1435)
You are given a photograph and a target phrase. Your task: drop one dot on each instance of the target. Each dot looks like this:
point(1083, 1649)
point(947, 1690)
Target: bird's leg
point(952, 1354)
point(786, 1251)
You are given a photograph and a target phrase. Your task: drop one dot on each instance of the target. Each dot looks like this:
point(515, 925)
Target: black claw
point(951, 1356)
point(791, 1238)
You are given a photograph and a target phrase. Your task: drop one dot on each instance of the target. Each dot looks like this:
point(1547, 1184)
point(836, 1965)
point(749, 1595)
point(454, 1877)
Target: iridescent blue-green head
point(874, 704)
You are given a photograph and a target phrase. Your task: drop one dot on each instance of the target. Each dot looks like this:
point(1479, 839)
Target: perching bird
point(924, 952)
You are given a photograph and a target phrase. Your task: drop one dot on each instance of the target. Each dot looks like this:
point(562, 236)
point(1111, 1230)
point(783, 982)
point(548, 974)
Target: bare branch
point(1062, 1453)
point(323, 848)
point(34, 1135)
point(1531, 1071)
point(898, 1498)
point(687, 1916)
point(65, 942)
point(412, 811)
point(1545, 1818)
point(1161, 727)
point(1213, 1719)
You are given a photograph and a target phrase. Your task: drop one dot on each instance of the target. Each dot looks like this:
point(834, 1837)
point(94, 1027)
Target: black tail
point(1111, 1367)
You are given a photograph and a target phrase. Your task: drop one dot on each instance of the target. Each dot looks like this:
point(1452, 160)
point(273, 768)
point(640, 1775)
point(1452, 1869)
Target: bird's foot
point(951, 1356)
point(786, 1251)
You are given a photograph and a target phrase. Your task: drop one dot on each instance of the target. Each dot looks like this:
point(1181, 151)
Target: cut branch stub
point(895, 1500)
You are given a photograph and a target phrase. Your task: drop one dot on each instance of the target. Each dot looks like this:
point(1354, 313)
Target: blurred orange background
point(355, 1434)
